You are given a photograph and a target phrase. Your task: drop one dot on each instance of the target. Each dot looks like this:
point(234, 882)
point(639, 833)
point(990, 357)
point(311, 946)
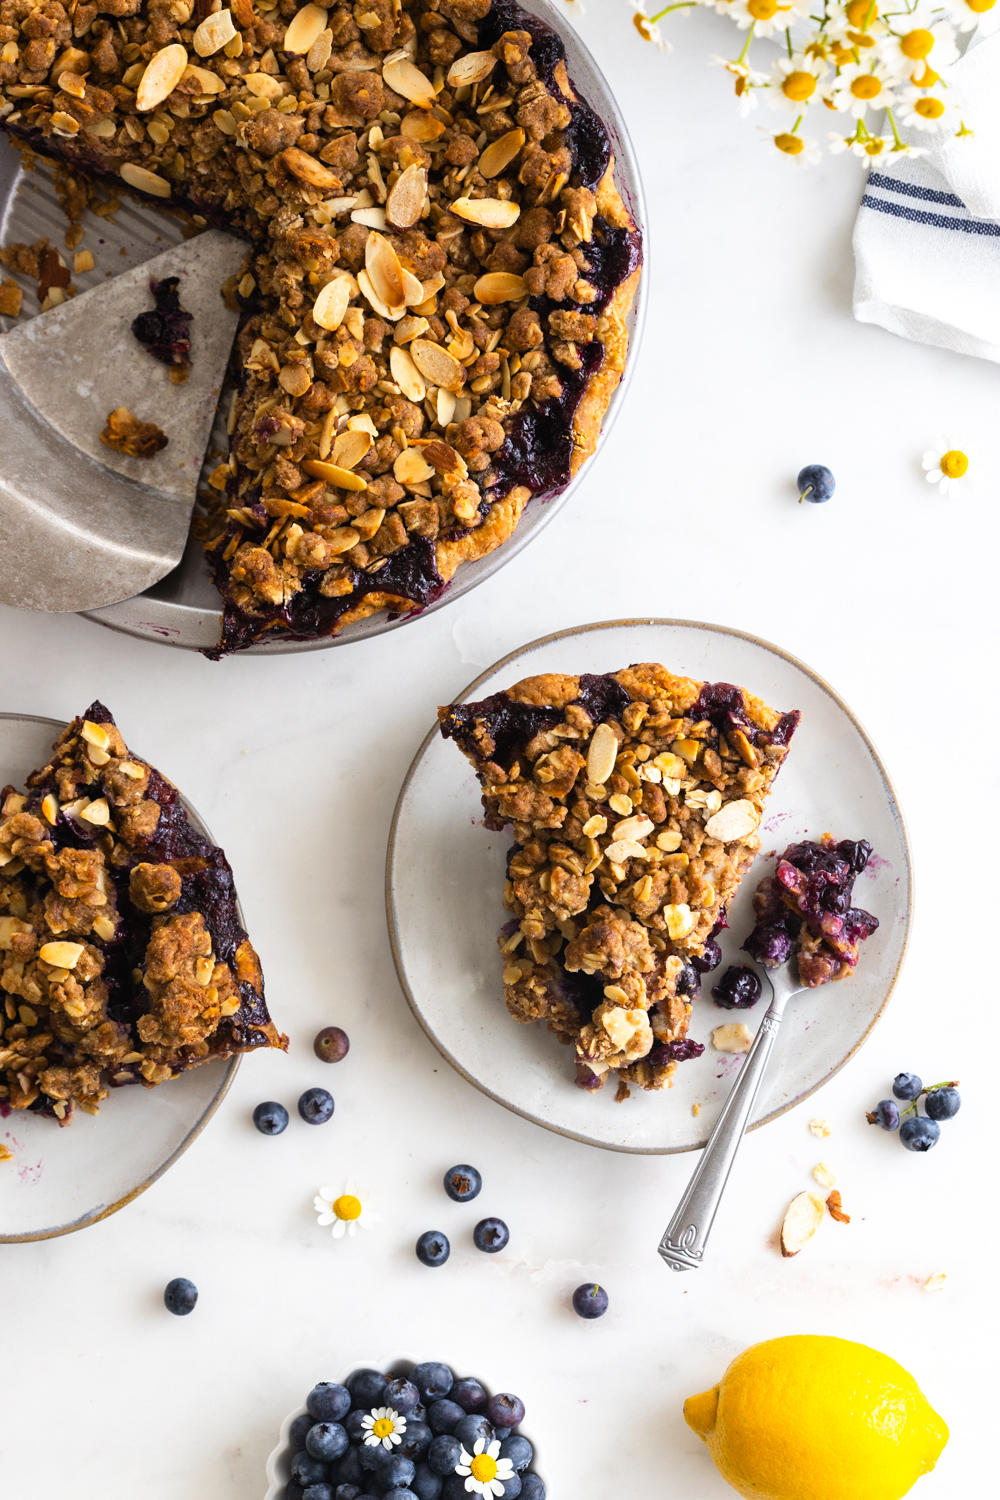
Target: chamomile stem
point(749, 39)
point(895, 133)
point(681, 5)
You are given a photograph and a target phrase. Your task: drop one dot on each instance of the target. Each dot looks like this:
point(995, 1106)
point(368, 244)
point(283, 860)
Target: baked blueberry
point(444, 1453)
point(328, 1402)
point(518, 1450)
point(297, 1431)
point(738, 989)
point(180, 1296)
point(886, 1114)
point(816, 483)
point(590, 1300)
point(416, 1439)
point(532, 1488)
point(327, 1441)
point(402, 1396)
point(316, 1106)
point(307, 1470)
point(433, 1248)
point(331, 1044)
point(709, 958)
point(918, 1133)
point(270, 1118)
point(906, 1085)
point(394, 1470)
point(469, 1394)
point(463, 1183)
point(505, 1410)
point(367, 1387)
point(943, 1103)
point(432, 1380)
point(426, 1484)
point(471, 1429)
point(490, 1235)
point(444, 1415)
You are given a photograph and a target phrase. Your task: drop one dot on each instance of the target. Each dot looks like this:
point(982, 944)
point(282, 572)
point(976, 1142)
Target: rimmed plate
point(64, 1179)
point(445, 873)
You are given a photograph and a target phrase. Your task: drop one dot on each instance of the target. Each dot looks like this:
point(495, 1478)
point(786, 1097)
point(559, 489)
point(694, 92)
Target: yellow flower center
point(383, 1427)
point(347, 1207)
point(929, 109)
point(954, 464)
point(927, 79)
point(861, 39)
point(762, 10)
point(866, 87)
point(790, 144)
point(483, 1467)
point(861, 13)
point(841, 55)
point(916, 44)
point(873, 146)
point(642, 27)
point(799, 86)
point(979, 6)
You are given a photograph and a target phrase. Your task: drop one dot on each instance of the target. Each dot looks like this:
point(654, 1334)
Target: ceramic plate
point(445, 876)
point(64, 1179)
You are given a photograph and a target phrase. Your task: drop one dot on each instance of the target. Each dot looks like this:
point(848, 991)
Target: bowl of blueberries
point(416, 1432)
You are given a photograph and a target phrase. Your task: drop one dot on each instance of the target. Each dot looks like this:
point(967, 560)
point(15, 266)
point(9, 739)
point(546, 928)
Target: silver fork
point(685, 1237)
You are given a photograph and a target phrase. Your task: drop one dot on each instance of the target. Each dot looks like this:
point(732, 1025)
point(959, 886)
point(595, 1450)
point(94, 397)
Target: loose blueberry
point(490, 1235)
point(454, 1488)
point(402, 1396)
point(297, 1431)
point(432, 1380)
point(469, 1394)
point(444, 1415)
point(331, 1044)
point(293, 1491)
point(443, 1454)
point(367, 1387)
point(318, 1492)
point(399, 1494)
point(815, 483)
point(416, 1439)
point(180, 1296)
point(328, 1402)
point(433, 1248)
point(738, 989)
point(395, 1470)
point(346, 1492)
point(943, 1104)
point(463, 1183)
point(505, 1410)
point(906, 1085)
point(532, 1488)
point(368, 1458)
point(919, 1134)
point(426, 1484)
point(590, 1300)
point(349, 1470)
point(886, 1114)
point(471, 1429)
point(511, 1487)
point(270, 1118)
point(316, 1106)
point(327, 1440)
point(354, 1424)
point(308, 1470)
point(518, 1450)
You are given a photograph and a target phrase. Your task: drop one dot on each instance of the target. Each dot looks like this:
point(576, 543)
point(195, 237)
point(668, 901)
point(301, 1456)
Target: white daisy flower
point(484, 1472)
point(647, 28)
point(918, 41)
point(946, 466)
point(345, 1211)
point(794, 80)
point(383, 1426)
point(871, 151)
point(863, 86)
point(802, 149)
point(853, 21)
point(925, 111)
point(968, 14)
point(746, 81)
point(767, 16)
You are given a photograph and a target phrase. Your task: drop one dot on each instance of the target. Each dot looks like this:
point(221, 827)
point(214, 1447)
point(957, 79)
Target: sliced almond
point(303, 29)
point(406, 375)
point(50, 809)
point(207, 81)
point(214, 32)
point(499, 286)
point(419, 126)
point(319, 53)
point(97, 812)
point(601, 754)
point(95, 734)
point(500, 153)
point(622, 849)
point(437, 365)
point(61, 955)
point(733, 821)
point(307, 169)
point(410, 328)
point(350, 448)
point(162, 74)
point(411, 467)
point(295, 379)
point(444, 458)
point(392, 314)
point(679, 918)
point(639, 827)
point(736, 1036)
point(144, 180)
point(472, 68)
point(263, 86)
point(491, 213)
point(935, 1281)
point(331, 304)
point(405, 202)
point(333, 474)
point(105, 928)
point(343, 538)
point(446, 403)
point(384, 270)
point(371, 218)
point(401, 75)
point(802, 1218)
point(413, 290)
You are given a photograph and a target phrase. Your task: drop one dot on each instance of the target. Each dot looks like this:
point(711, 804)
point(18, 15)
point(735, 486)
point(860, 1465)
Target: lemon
point(813, 1418)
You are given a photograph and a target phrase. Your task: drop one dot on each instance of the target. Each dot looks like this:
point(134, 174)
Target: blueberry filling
point(805, 907)
point(165, 329)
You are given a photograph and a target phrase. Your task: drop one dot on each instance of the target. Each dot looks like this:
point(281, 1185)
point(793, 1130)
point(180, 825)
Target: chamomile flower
point(383, 1427)
point(484, 1471)
point(857, 22)
point(917, 42)
point(926, 111)
point(946, 466)
point(869, 149)
point(794, 81)
point(802, 149)
point(647, 28)
point(968, 14)
point(863, 86)
point(767, 16)
point(345, 1211)
point(746, 81)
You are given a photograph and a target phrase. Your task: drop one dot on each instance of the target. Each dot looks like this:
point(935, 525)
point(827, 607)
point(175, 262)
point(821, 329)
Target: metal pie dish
point(65, 1179)
point(184, 608)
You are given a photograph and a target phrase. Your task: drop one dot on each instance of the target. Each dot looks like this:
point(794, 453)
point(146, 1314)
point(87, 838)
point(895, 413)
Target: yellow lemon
point(813, 1418)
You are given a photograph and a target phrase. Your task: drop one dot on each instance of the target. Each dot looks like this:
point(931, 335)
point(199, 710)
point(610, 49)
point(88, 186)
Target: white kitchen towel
point(927, 238)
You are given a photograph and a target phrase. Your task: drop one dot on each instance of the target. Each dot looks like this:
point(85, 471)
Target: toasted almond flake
point(802, 1218)
point(733, 821)
point(263, 86)
point(735, 1036)
point(406, 375)
point(500, 153)
point(97, 757)
point(50, 809)
point(343, 539)
point(679, 918)
point(446, 403)
point(161, 76)
point(472, 68)
point(97, 813)
point(595, 826)
point(83, 260)
point(214, 32)
point(392, 314)
point(371, 218)
point(95, 734)
point(401, 75)
point(331, 304)
point(61, 955)
point(350, 448)
point(384, 270)
point(207, 81)
point(411, 467)
point(64, 124)
point(639, 827)
point(499, 286)
point(144, 180)
point(491, 213)
point(824, 1174)
point(935, 1281)
point(319, 53)
point(410, 328)
point(405, 202)
point(835, 1207)
point(333, 474)
point(420, 126)
point(601, 754)
point(307, 169)
point(622, 849)
point(820, 1128)
point(225, 120)
point(437, 365)
point(431, 287)
point(105, 928)
point(303, 29)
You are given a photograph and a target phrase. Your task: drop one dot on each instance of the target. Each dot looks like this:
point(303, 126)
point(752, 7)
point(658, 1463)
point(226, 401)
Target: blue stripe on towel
point(911, 190)
point(937, 221)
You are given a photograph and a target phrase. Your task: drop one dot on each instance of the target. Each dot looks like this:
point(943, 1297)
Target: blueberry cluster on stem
point(917, 1132)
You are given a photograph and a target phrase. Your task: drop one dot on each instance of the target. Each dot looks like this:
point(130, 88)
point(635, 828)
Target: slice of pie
point(634, 799)
point(122, 958)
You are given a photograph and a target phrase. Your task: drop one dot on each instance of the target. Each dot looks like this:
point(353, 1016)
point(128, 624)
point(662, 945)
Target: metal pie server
point(82, 525)
point(686, 1236)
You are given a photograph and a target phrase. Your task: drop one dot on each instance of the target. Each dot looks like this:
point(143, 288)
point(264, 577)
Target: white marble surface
point(752, 366)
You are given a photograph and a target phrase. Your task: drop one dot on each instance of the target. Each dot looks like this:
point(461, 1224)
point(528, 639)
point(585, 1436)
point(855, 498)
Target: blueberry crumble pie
point(122, 959)
point(634, 799)
point(805, 909)
point(435, 302)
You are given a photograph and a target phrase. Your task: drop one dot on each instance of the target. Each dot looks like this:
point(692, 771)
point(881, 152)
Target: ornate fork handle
point(685, 1237)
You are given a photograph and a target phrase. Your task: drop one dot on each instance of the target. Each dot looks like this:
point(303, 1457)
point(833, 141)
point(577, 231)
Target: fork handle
point(685, 1237)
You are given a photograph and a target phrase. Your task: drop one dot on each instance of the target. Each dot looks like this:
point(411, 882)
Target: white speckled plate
point(445, 873)
point(61, 1179)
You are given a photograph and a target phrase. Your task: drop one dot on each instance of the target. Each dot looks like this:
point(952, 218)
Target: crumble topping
point(634, 799)
point(126, 433)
